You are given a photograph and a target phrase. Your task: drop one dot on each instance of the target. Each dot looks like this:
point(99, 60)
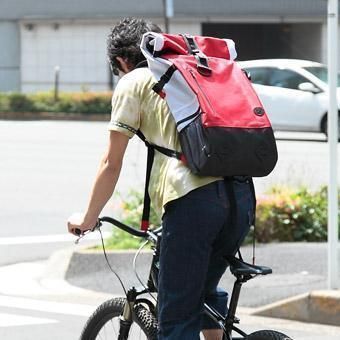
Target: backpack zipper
point(204, 94)
point(189, 117)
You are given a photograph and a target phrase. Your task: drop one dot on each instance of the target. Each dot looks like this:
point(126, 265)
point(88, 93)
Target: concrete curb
point(315, 307)
point(86, 261)
point(54, 274)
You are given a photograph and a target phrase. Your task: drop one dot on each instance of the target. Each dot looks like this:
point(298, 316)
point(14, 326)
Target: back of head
point(124, 41)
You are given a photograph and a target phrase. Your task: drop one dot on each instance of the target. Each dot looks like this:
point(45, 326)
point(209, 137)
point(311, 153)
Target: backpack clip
point(165, 78)
point(202, 60)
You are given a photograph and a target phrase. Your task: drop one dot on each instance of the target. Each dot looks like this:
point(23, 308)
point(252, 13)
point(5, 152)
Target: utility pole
point(332, 48)
point(56, 82)
point(168, 12)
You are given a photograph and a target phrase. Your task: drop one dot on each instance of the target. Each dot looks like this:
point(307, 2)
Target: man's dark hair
point(124, 41)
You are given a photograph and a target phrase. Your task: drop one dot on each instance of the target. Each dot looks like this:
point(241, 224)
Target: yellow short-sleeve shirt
point(136, 106)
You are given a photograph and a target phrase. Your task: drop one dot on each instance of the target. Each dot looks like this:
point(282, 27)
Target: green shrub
point(83, 102)
point(287, 215)
point(131, 213)
point(4, 102)
point(18, 102)
point(43, 102)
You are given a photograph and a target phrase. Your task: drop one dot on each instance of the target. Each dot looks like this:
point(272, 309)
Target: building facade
point(41, 37)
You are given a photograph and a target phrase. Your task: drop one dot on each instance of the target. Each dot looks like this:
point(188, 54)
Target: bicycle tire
point(267, 335)
point(107, 315)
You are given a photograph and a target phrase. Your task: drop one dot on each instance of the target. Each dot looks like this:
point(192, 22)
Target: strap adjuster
point(202, 60)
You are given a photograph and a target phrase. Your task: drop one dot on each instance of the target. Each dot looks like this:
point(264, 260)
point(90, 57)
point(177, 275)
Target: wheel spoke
point(105, 322)
point(114, 328)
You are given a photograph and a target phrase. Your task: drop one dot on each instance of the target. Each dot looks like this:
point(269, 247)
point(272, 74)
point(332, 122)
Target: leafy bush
point(282, 214)
point(4, 102)
point(83, 102)
point(19, 103)
point(131, 213)
point(287, 215)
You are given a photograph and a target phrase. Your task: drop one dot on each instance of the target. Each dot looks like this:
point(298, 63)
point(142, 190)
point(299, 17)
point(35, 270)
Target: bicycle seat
point(238, 267)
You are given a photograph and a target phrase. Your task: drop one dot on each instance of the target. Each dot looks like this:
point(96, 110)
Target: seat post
point(233, 303)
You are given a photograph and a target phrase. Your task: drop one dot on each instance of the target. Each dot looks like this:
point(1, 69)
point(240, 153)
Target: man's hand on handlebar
point(77, 225)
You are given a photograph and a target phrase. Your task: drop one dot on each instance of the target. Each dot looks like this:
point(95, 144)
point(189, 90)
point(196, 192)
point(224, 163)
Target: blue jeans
point(198, 232)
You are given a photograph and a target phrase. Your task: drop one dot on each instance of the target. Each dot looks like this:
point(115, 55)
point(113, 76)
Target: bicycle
point(135, 317)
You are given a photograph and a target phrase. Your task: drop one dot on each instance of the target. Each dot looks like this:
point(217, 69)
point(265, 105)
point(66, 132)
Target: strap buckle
point(202, 60)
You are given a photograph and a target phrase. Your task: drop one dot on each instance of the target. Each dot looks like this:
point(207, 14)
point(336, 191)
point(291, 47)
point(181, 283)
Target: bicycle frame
point(226, 323)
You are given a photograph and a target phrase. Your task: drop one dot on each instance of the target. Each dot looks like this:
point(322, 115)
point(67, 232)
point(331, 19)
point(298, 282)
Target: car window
point(321, 72)
point(286, 78)
point(259, 75)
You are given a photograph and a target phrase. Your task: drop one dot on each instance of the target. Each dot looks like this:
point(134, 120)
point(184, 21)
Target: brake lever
point(83, 234)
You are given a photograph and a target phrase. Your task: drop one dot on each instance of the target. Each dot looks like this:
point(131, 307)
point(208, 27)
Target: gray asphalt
point(46, 174)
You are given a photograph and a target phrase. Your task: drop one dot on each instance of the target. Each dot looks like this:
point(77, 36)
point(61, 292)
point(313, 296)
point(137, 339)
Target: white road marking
point(48, 238)
point(47, 306)
point(10, 320)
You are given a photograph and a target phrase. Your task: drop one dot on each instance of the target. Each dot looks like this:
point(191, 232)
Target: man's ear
point(124, 64)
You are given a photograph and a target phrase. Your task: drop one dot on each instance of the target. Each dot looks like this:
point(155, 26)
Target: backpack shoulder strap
point(151, 154)
point(141, 64)
point(161, 149)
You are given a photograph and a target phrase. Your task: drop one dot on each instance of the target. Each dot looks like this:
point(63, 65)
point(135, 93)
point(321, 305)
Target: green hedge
point(84, 102)
point(292, 215)
point(283, 214)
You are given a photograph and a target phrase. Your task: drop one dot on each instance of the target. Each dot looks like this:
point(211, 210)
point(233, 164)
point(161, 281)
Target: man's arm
point(105, 182)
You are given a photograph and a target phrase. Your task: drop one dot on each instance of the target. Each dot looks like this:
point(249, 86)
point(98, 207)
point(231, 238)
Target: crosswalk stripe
point(10, 320)
point(46, 306)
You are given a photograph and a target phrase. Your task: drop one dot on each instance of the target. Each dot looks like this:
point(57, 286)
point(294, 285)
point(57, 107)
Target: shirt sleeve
point(125, 114)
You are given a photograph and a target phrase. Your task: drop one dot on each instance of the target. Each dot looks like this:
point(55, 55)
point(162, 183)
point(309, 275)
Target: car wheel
point(324, 127)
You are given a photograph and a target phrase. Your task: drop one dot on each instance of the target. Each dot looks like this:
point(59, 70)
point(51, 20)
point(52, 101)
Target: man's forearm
point(102, 191)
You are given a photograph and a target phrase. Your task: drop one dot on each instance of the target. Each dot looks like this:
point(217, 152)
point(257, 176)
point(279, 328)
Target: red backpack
point(222, 125)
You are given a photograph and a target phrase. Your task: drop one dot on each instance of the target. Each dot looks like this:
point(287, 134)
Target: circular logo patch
point(259, 111)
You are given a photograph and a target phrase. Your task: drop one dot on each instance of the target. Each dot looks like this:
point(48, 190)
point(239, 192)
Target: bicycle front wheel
point(267, 335)
point(104, 322)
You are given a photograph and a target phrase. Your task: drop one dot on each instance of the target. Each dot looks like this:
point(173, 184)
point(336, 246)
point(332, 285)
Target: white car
point(293, 92)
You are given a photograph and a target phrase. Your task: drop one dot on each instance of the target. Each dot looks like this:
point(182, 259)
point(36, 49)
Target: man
point(197, 226)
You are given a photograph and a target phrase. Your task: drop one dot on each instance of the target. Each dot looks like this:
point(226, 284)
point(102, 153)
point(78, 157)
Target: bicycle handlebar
point(132, 231)
point(124, 227)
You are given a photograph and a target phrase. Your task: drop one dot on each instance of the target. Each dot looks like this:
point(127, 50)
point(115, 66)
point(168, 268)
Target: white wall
point(192, 28)
point(9, 56)
point(78, 49)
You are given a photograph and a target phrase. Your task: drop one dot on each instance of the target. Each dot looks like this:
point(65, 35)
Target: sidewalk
point(44, 281)
point(296, 289)
point(50, 291)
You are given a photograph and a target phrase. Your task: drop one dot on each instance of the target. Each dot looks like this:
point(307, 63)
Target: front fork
point(126, 318)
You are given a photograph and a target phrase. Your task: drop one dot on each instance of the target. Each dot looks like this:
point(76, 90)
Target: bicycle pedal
point(236, 320)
